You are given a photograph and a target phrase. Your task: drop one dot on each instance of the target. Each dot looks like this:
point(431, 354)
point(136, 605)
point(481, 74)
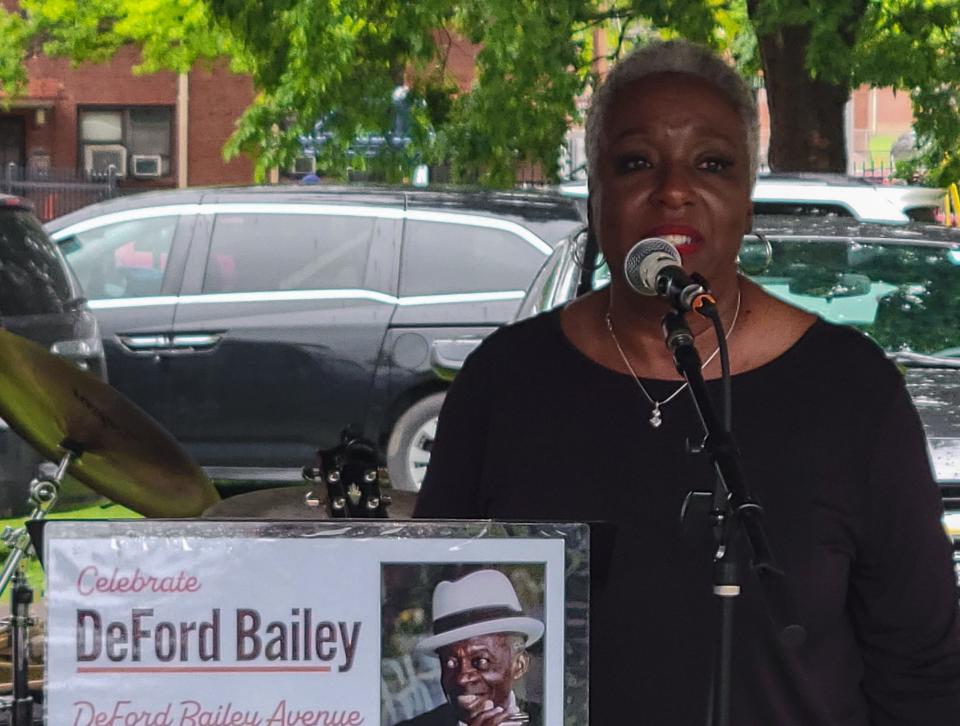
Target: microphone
point(652, 267)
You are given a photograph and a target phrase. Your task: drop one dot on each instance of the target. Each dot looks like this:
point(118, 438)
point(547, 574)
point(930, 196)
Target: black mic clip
point(685, 292)
point(704, 303)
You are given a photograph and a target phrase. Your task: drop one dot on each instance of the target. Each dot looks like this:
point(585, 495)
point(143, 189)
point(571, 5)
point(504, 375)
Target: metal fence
point(877, 170)
point(55, 192)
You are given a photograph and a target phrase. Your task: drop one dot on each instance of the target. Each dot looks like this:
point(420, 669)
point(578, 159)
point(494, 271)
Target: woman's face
point(673, 163)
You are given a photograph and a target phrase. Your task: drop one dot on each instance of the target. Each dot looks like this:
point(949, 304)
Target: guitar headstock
point(352, 475)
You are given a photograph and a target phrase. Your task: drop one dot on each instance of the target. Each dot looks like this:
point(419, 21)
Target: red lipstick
point(685, 239)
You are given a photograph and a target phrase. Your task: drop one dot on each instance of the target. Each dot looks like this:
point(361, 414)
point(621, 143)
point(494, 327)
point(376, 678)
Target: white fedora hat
point(480, 603)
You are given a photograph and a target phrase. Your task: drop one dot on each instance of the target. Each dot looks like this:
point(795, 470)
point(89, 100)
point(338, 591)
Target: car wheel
point(408, 451)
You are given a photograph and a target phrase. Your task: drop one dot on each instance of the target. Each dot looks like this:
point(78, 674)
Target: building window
point(134, 141)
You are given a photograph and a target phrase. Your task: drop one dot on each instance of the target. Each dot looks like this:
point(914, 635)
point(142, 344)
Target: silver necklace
point(655, 416)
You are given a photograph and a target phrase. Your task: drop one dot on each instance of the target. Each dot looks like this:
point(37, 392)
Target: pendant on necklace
point(655, 418)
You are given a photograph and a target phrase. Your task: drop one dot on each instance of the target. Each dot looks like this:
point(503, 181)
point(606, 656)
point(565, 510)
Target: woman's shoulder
point(848, 348)
point(788, 334)
point(842, 357)
point(836, 338)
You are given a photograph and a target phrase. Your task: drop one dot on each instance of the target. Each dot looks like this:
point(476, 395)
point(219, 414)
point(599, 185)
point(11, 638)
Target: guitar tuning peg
point(311, 473)
point(373, 503)
point(370, 476)
point(333, 477)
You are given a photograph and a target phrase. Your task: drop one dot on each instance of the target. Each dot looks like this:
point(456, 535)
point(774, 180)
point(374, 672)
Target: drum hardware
point(44, 493)
point(20, 704)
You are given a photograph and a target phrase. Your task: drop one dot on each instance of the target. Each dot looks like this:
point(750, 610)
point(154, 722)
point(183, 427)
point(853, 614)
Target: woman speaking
point(579, 414)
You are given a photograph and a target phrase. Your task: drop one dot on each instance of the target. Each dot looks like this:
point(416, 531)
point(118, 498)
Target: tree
point(916, 46)
point(813, 52)
point(347, 55)
point(339, 61)
point(808, 132)
point(171, 34)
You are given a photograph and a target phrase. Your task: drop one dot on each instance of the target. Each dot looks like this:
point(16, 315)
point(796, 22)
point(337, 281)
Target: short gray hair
point(674, 56)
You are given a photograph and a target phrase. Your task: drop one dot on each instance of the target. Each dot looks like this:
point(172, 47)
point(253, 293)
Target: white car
point(822, 194)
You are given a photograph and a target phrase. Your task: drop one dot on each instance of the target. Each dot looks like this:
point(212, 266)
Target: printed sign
point(154, 623)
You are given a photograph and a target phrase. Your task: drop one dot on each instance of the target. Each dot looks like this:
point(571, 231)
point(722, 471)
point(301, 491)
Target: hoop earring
point(750, 262)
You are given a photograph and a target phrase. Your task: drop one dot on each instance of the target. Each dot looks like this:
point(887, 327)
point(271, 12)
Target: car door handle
point(168, 345)
point(193, 342)
point(447, 356)
point(145, 343)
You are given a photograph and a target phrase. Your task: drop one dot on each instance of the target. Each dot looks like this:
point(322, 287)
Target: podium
point(223, 623)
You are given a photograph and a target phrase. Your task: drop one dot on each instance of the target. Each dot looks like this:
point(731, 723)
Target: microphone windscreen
point(646, 256)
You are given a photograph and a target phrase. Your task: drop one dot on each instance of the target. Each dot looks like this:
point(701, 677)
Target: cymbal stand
point(44, 492)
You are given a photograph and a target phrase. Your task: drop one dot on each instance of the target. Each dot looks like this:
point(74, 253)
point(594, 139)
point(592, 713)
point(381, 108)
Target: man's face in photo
point(478, 670)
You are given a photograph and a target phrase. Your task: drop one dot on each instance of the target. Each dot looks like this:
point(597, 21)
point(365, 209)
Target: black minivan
point(39, 300)
point(256, 323)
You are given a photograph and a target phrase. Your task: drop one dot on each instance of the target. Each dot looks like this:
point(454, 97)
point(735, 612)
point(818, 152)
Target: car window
point(928, 215)
point(442, 258)
point(267, 252)
point(33, 275)
point(905, 296)
point(122, 260)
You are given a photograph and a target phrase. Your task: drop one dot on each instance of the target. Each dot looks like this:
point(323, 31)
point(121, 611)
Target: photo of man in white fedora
point(480, 634)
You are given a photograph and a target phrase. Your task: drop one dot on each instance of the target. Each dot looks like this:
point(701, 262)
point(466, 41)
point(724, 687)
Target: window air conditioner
point(144, 165)
point(98, 158)
point(304, 165)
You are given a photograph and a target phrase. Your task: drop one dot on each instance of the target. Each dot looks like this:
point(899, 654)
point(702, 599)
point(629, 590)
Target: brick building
point(158, 130)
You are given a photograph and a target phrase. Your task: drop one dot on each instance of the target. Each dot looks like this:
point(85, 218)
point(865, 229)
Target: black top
point(832, 448)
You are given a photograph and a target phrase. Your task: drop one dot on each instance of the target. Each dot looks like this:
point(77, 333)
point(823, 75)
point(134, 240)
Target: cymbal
point(125, 454)
point(291, 503)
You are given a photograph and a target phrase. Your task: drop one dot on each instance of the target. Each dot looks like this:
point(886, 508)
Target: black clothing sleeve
point(903, 608)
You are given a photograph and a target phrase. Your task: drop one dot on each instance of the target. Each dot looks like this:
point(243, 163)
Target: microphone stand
point(736, 513)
